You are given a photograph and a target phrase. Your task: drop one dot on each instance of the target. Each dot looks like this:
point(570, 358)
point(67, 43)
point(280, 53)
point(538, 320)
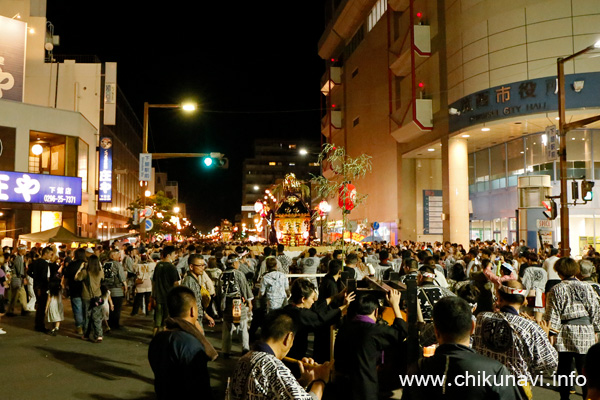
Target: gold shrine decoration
point(291, 184)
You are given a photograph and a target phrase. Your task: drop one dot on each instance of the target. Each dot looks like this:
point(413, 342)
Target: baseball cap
point(89, 250)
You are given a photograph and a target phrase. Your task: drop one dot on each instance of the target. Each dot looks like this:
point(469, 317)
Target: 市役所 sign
point(20, 187)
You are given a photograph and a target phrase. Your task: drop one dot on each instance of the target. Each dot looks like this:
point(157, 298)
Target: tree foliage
point(346, 169)
point(163, 211)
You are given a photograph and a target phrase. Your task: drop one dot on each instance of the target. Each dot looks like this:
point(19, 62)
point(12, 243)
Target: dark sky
point(252, 66)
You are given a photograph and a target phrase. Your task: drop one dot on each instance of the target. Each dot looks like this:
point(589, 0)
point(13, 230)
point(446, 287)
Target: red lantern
point(347, 196)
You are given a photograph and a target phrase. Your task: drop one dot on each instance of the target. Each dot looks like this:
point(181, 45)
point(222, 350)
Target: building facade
point(63, 117)
point(454, 100)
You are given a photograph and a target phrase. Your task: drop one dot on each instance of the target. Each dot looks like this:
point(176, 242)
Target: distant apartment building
point(272, 161)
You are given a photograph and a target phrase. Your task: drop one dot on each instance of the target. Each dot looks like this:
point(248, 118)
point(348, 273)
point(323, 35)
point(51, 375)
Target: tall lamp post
point(564, 128)
point(188, 107)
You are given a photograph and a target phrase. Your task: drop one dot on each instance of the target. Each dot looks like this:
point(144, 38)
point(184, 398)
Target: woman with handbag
point(91, 275)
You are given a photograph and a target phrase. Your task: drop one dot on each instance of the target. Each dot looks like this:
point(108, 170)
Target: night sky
point(252, 66)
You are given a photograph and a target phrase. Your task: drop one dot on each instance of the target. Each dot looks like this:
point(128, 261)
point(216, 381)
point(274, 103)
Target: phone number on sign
point(59, 199)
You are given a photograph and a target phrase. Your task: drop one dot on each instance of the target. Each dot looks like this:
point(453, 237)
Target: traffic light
point(550, 206)
point(586, 190)
point(575, 190)
point(215, 160)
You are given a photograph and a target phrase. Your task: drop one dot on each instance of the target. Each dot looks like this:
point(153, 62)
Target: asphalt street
point(34, 365)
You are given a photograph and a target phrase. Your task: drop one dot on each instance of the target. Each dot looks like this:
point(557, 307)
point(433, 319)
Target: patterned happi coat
point(261, 376)
point(569, 300)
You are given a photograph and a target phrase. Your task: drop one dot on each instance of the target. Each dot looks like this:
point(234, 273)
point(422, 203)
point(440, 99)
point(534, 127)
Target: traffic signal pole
point(564, 128)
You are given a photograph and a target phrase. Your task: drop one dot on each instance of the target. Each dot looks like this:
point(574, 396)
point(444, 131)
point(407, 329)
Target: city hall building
point(456, 100)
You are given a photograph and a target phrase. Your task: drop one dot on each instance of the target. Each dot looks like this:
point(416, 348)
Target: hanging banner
point(105, 171)
point(110, 93)
point(19, 187)
point(13, 37)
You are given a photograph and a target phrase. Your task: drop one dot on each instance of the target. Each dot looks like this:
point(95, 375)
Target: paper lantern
point(347, 196)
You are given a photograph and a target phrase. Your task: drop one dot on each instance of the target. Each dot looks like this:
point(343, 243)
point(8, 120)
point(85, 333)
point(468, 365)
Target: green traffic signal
point(215, 161)
point(586, 190)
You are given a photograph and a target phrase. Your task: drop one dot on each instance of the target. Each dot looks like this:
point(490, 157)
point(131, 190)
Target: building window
point(498, 166)
point(292, 146)
point(354, 42)
point(376, 13)
point(292, 164)
point(356, 121)
point(34, 164)
point(272, 163)
point(482, 170)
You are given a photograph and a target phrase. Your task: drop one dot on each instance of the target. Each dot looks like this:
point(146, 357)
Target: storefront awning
point(55, 235)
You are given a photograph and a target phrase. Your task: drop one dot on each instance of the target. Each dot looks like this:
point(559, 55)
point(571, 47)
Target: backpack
point(230, 289)
point(110, 276)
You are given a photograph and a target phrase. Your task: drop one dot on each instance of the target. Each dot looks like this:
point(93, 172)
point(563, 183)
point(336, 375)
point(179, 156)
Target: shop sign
point(105, 171)
point(19, 187)
point(544, 224)
point(546, 237)
point(523, 98)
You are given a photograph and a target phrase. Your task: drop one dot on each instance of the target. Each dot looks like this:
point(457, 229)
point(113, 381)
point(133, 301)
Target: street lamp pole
point(564, 128)
point(147, 107)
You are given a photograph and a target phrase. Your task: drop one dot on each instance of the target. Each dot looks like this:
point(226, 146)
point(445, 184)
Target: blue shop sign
point(522, 98)
point(105, 171)
point(20, 187)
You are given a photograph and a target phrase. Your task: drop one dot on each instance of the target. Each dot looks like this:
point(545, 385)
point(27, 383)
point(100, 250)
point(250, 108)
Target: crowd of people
point(495, 308)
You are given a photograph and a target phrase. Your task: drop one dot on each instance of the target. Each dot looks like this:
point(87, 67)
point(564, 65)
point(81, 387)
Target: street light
point(303, 152)
point(187, 107)
point(324, 208)
point(563, 129)
point(176, 210)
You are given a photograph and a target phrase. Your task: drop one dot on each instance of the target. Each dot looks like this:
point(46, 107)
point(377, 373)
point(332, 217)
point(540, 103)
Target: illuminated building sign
point(522, 98)
point(20, 187)
point(105, 171)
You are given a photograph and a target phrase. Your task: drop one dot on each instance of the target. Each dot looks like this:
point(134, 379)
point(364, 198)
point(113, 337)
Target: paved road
point(38, 366)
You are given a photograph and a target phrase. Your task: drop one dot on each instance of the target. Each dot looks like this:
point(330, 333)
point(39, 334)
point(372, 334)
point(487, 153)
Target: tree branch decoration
point(346, 169)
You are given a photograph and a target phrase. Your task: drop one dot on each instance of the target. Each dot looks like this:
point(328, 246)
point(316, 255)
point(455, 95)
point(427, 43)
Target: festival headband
point(506, 289)
point(428, 275)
